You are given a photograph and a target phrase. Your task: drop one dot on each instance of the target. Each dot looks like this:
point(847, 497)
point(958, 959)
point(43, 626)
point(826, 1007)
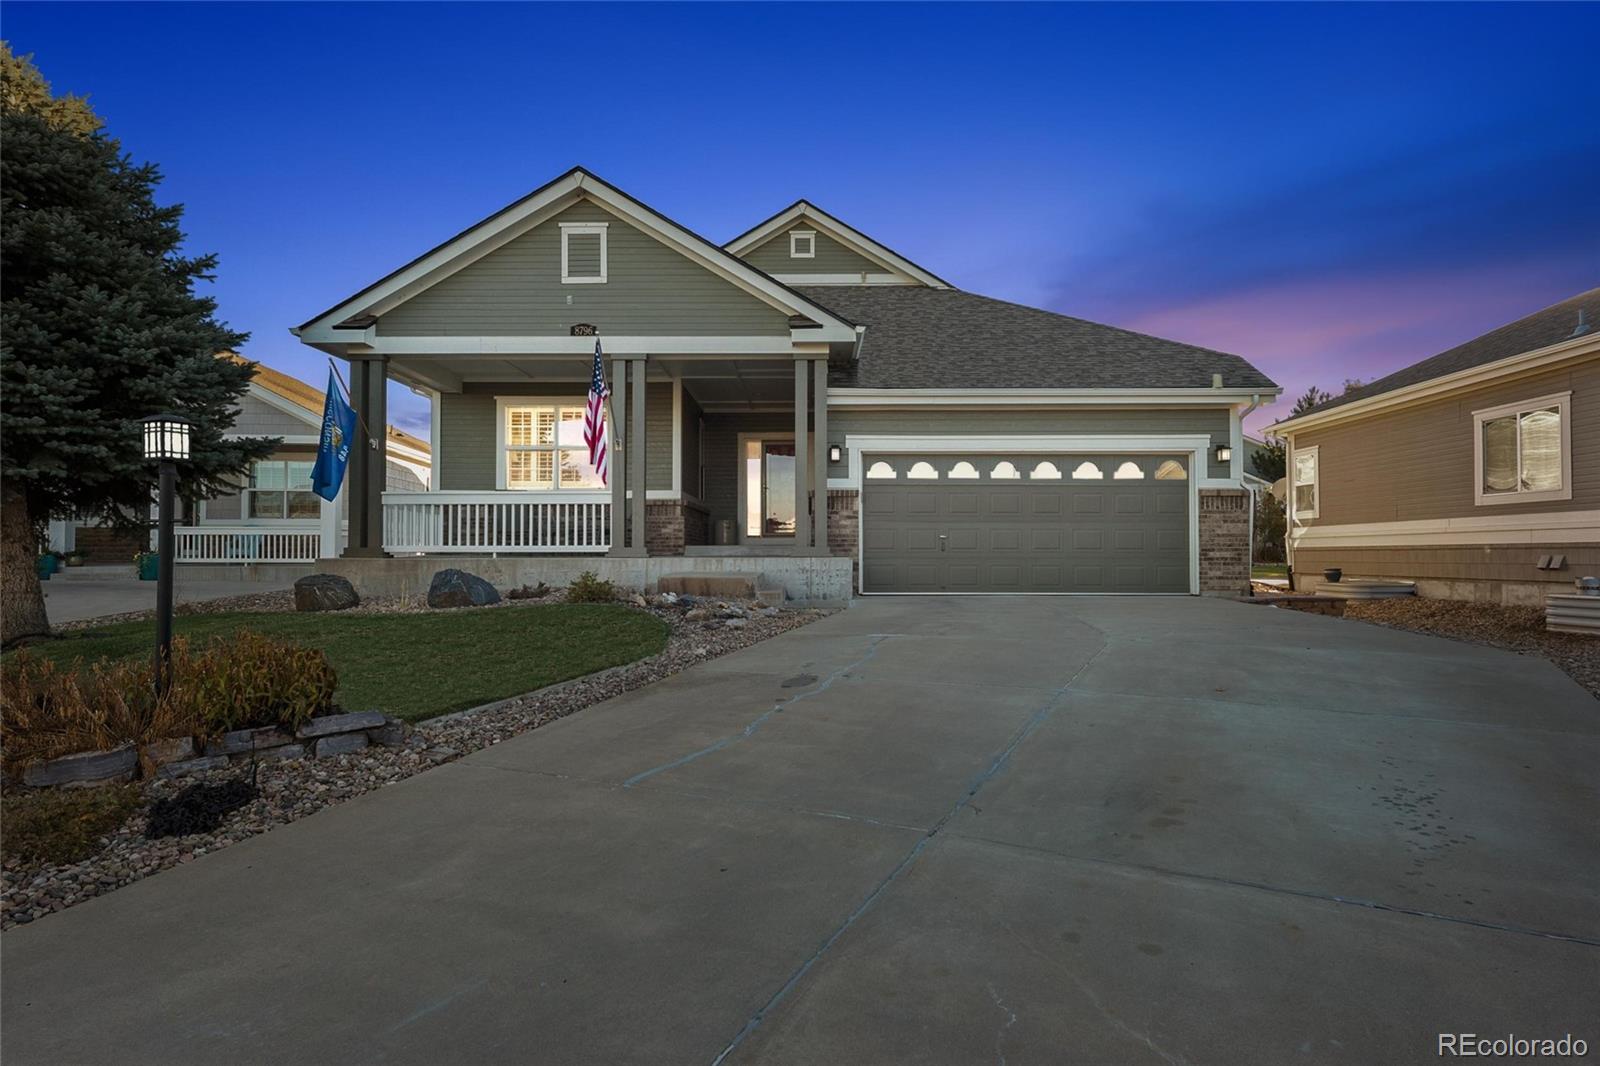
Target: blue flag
point(333, 450)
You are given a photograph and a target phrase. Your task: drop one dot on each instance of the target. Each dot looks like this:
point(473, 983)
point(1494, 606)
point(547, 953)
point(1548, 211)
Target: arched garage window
point(1046, 471)
point(923, 472)
point(963, 470)
point(1171, 470)
point(1087, 471)
point(1004, 471)
point(880, 470)
point(1129, 471)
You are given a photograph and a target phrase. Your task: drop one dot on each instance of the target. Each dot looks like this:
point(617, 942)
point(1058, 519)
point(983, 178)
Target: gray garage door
point(1025, 523)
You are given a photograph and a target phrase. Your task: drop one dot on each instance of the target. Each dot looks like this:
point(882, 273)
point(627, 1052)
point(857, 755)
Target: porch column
point(802, 517)
point(636, 460)
point(369, 389)
point(618, 422)
point(819, 465)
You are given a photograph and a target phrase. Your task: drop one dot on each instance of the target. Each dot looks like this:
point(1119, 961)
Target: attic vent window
point(802, 244)
point(583, 253)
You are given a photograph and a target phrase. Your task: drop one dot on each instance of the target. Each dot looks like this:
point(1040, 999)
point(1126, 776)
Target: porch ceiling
point(728, 383)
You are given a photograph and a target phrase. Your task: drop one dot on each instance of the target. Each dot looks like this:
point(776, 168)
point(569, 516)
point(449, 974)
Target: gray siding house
point(802, 402)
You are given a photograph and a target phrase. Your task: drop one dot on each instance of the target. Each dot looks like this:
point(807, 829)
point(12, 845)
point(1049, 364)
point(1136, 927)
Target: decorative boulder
point(457, 588)
point(324, 592)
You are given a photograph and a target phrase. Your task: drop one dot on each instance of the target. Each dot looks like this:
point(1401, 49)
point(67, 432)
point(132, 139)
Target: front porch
point(727, 452)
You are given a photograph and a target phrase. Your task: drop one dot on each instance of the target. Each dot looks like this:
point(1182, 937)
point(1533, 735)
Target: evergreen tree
point(1269, 461)
point(99, 326)
point(1313, 397)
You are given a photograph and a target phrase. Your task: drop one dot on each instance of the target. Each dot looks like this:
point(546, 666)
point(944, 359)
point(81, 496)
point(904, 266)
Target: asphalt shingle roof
point(1538, 330)
point(925, 338)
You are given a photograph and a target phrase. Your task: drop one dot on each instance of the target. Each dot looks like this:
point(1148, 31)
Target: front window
point(544, 448)
point(1305, 483)
point(1524, 451)
point(281, 488)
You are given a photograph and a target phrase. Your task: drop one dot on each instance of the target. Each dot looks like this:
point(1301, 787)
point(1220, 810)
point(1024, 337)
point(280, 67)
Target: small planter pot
point(45, 565)
point(149, 564)
point(1333, 574)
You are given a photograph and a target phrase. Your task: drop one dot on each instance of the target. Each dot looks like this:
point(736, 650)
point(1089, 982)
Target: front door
point(769, 489)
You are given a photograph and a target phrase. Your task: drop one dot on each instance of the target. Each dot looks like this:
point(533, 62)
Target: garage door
point(1033, 523)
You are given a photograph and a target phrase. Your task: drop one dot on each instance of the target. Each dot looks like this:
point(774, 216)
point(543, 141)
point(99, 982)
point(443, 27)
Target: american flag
point(594, 420)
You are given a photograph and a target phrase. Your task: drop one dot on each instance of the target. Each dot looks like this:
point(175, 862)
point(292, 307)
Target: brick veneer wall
point(843, 525)
point(1224, 542)
point(668, 526)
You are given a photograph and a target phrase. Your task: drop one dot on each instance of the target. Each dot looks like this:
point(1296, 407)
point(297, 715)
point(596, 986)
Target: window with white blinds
point(545, 450)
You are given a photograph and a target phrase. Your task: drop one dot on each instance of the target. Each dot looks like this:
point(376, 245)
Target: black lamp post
point(166, 440)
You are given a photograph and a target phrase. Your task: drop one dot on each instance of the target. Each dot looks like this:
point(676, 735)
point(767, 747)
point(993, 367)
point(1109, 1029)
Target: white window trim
point(1316, 482)
point(794, 243)
point(1562, 402)
point(502, 405)
point(584, 228)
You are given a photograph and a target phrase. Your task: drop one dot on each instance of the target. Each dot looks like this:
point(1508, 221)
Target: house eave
point(1196, 397)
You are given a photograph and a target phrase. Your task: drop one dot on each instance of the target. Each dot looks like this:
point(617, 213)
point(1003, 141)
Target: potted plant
point(148, 564)
point(46, 564)
point(1333, 574)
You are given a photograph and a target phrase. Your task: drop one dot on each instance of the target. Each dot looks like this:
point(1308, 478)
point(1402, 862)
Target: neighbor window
point(544, 449)
point(1305, 482)
point(583, 253)
point(281, 488)
point(1524, 451)
point(802, 244)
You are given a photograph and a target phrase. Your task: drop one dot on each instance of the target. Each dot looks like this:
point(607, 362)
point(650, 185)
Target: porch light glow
point(166, 437)
point(1224, 454)
point(835, 453)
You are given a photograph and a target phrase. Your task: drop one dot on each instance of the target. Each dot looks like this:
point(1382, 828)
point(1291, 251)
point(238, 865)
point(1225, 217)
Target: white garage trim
point(1196, 447)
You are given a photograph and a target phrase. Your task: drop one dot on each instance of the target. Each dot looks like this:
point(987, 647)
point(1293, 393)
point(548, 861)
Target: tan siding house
point(1475, 474)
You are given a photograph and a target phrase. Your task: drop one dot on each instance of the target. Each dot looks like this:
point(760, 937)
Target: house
point(274, 517)
point(1474, 473)
point(802, 402)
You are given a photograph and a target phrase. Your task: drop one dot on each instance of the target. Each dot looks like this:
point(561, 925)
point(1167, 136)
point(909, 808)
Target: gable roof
point(924, 338)
point(309, 398)
point(1543, 328)
point(355, 312)
point(850, 237)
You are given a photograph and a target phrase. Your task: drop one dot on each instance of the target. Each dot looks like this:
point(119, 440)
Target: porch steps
point(728, 586)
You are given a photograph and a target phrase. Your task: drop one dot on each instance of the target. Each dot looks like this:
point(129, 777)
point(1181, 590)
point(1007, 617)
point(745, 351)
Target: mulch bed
point(289, 790)
point(1518, 629)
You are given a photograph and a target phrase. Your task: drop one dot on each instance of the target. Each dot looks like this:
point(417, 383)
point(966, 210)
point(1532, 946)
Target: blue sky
point(1331, 191)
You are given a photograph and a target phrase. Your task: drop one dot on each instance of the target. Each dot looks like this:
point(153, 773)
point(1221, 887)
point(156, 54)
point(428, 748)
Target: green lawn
point(1269, 570)
point(416, 666)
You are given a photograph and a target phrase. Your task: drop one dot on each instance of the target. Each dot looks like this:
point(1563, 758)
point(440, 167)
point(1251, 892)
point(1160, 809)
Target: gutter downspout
point(1250, 551)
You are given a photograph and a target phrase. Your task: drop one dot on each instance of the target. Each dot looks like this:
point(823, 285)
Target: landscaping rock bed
point(289, 789)
point(1518, 629)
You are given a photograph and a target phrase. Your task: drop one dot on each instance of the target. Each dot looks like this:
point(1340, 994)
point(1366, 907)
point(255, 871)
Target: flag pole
point(349, 398)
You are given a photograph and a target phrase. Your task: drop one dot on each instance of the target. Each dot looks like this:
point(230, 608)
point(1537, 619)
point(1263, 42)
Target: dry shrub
point(243, 681)
point(587, 587)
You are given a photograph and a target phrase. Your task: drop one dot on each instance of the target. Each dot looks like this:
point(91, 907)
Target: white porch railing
point(496, 521)
point(247, 544)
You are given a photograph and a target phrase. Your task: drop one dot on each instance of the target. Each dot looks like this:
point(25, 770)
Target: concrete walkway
point(928, 830)
point(80, 592)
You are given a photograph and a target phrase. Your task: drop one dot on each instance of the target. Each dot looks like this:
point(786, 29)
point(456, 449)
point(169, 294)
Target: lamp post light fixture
point(1224, 454)
point(166, 440)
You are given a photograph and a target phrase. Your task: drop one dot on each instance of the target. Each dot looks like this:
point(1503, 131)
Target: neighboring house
point(1253, 481)
point(803, 400)
point(274, 517)
point(1475, 473)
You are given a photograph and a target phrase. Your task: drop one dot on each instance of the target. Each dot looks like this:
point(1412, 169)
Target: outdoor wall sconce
point(835, 453)
point(1224, 454)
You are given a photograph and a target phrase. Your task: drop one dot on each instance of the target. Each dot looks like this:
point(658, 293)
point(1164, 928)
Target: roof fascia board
point(1424, 391)
point(1202, 397)
point(512, 222)
point(845, 234)
point(809, 343)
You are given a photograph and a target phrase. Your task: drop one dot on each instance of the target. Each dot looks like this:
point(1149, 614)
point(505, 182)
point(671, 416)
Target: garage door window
point(1129, 471)
point(1171, 470)
point(880, 471)
point(922, 472)
point(964, 470)
point(1046, 471)
point(1087, 471)
point(1004, 471)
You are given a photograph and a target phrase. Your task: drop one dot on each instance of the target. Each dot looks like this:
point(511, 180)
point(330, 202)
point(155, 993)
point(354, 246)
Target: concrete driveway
point(932, 830)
